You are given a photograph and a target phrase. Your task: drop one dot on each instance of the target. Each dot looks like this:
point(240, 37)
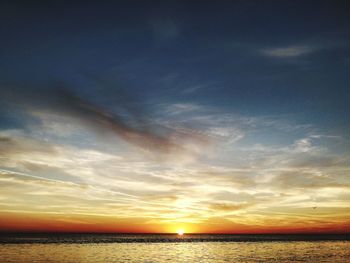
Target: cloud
point(302, 145)
point(132, 186)
point(288, 52)
point(228, 207)
point(246, 175)
point(15, 175)
point(182, 108)
point(20, 144)
point(307, 179)
point(128, 120)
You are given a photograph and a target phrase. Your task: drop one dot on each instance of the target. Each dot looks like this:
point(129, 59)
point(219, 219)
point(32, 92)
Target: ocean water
point(172, 248)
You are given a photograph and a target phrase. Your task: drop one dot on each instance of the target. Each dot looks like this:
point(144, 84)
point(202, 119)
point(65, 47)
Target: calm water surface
point(220, 251)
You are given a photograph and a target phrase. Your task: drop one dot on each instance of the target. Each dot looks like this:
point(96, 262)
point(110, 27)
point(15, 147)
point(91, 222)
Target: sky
point(155, 116)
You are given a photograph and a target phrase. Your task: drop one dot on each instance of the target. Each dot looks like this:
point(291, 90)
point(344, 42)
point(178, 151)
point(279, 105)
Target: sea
point(173, 248)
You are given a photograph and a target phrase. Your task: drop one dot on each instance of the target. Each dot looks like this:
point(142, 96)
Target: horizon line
point(174, 233)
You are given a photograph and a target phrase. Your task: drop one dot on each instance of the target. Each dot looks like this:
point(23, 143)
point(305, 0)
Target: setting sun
point(180, 232)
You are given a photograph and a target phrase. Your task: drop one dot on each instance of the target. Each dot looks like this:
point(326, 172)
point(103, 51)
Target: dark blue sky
point(247, 57)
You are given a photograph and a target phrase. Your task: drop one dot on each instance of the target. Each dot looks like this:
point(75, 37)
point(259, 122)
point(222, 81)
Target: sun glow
point(180, 232)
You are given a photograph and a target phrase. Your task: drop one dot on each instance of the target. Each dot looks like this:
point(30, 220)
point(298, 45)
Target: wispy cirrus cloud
point(129, 120)
point(244, 178)
point(289, 51)
point(128, 185)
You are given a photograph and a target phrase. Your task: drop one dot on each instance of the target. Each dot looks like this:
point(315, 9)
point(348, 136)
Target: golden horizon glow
point(20, 222)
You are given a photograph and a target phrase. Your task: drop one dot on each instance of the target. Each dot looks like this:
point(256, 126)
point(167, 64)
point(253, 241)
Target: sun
point(180, 232)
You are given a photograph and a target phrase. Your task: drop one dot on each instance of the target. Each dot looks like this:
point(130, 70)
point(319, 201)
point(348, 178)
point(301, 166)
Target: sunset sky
point(155, 116)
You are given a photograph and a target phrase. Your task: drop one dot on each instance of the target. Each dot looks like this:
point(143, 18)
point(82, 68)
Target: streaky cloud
point(288, 52)
point(129, 122)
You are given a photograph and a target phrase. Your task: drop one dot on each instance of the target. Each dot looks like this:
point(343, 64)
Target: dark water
point(173, 248)
point(27, 238)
